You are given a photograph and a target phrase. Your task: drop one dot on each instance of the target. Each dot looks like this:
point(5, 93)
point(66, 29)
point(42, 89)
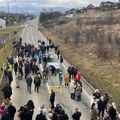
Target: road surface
point(20, 96)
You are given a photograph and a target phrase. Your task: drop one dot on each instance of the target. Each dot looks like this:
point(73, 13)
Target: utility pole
point(8, 18)
point(7, 27)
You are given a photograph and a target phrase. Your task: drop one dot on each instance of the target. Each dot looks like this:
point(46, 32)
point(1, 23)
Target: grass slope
point(104, 75)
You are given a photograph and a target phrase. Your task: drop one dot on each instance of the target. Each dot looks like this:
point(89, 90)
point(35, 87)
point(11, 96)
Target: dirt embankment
point(103, 74)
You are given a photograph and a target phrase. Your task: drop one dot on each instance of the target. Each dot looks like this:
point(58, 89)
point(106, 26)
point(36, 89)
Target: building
point(106, 6)
point(2, 23)
point(71, 11)
point(90, 9)
point(70, 15)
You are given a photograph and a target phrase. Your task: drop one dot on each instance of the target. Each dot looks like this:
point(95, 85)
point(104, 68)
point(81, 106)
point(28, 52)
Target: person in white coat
point(72, 89)
point(42, 107)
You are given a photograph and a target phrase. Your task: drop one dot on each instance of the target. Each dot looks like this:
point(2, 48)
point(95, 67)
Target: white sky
point(35, 4)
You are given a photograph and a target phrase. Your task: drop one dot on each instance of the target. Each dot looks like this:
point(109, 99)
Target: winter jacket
point(78, 90)
point(112, 112)
point(40, 117)
point(72, 88)
point(40, 55)
point(101, 105)
point(78, 76)
point(6, 116)
point(67, 78)
point(7, 91)
point(94, 113)
point(29, 81)
point(52, 96)
point(76, 115)
point(37, 81)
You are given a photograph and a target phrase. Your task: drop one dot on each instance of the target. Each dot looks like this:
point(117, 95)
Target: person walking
point(20, 69)
point(20, 112)
point(45, 74)
point(93, 112)
point(52, 98)
point(78, 77)
point(18, 78)
point(72, 89)
point(26, 114)
point(15, 67)
point(40, 116)
point(30, 105)
point(78, 92)
point(6, 116)
point(112, 111)
point(58, 54)
point(12, 110)
point(106, 100)
point(26, 68)
point(40, 55)
point(44, 60)
point(10, 69)
point(101, 106)
point(97, 94)
point(7, 91)
point(67, 79)
point(42, 107)
point(76, 115)
point(61, 76)
point(53, 69)
point(10, 78)
point(63, 115)
point(29, 82)
point(37, 82)
point(61, 61)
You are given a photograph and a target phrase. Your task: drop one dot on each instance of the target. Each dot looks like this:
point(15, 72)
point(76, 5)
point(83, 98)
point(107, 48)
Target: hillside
point(93, 45)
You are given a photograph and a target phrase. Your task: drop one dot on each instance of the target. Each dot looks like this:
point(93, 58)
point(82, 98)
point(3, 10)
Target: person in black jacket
point(15, 67)
point(112, 112)
point(58, 54)
point(7, 91)
point(101, 106)
point(44, 59)
point(26, 115)
point(53, 69)
point(97, 94)
point(41, 116)
point(30, 106)
point(6, 116)
point(52, 98)
point(12, 110)
point(76, 115)
point(63, 116)
point(61, 59)
point(26, 68)
point(37, 82)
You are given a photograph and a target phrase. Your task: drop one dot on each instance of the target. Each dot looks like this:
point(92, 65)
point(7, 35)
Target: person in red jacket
point(78, 76)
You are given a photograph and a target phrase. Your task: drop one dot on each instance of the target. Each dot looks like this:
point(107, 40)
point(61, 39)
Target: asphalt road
point(20, 96)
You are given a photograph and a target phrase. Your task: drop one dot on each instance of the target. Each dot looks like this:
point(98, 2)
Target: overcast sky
point(36, 5)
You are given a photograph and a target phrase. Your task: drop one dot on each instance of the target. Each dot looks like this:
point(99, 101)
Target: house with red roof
point(90, 9)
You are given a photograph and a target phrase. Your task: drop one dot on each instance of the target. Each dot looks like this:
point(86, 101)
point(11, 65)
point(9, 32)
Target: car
point(55, 64)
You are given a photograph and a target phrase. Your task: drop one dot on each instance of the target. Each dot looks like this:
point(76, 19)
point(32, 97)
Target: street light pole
point(9, 11)
point(8, 23)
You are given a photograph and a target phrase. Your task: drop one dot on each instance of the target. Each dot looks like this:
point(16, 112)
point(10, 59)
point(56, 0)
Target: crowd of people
point(25, 66)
